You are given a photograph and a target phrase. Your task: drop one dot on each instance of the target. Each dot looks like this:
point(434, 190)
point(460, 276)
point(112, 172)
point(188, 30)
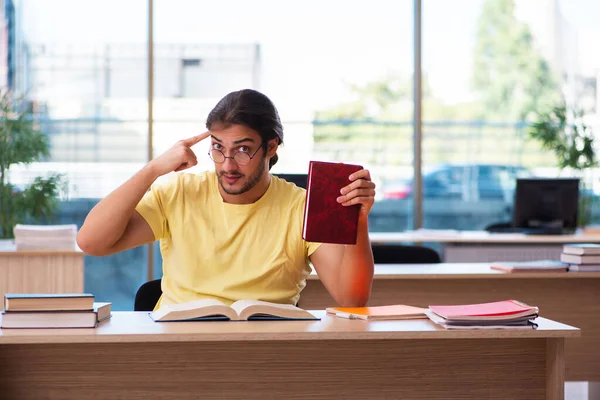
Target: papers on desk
point(45, 237)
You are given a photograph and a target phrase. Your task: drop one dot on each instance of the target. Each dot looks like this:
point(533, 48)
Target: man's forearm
point(107, 221)
point(356, 269)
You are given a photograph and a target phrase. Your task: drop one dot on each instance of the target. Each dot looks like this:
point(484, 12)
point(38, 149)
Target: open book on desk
point(241, 310)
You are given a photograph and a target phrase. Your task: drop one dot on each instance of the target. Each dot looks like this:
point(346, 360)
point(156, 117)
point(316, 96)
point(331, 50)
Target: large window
point(489, 66)
point(82, 65)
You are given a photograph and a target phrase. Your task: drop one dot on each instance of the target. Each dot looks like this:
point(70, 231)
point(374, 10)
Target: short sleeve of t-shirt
point(153, 207)
point(311, 247)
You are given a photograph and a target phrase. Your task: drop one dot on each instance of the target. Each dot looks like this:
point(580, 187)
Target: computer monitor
point(298, 179)
point(546, 206)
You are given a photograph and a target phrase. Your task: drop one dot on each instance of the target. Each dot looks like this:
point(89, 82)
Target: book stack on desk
point(63, 310)
point(531, 266)
point(581, 257)
point(507, 314)
point(45, 237)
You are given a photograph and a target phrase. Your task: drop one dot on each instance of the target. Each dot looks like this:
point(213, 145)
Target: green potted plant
point(22, 143)
point(563, 131)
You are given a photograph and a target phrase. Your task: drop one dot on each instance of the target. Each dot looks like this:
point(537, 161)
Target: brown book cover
point(326, 220)
point(56, 319)
point(48, 301)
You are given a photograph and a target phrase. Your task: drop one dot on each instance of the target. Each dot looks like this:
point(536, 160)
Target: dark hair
point(253, 110)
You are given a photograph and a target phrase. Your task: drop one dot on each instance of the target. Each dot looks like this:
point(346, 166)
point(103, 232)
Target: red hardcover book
point(326, 220)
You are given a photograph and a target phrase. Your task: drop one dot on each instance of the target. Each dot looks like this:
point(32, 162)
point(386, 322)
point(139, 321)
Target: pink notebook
point(507, 309)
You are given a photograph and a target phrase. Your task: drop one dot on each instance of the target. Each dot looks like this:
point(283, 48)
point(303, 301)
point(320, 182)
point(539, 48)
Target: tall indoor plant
point(563, 131)
point(21, 143)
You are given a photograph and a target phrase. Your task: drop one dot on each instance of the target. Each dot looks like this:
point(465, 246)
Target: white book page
point(192, 309)
point(247, 308)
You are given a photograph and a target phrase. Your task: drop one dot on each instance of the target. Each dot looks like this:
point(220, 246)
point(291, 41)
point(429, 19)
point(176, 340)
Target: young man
point(236, 232)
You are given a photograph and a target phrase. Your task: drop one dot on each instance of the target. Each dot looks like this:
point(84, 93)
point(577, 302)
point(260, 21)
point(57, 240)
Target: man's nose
point(229, 164)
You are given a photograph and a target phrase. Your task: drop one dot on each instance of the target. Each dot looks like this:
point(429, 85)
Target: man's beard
point(250, 183)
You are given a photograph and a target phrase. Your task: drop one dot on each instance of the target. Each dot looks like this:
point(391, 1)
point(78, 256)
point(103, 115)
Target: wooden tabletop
point(133, 327)
point(21, 253)
point(8, 248)
point(455, 236)
point(462, 271)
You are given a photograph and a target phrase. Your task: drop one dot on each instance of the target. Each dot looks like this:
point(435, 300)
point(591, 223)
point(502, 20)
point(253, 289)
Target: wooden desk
point(41, 271)
point(481, 246)
point(132, 357)
point(571, 297)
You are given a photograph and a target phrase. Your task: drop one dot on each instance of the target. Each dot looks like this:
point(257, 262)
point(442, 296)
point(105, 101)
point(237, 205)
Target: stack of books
point(531, 266)
point(63, 310)
point(507, 314)
point(45, 237)
point(581, 257)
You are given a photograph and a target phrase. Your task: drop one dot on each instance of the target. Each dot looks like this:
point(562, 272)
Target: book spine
point(306, 199)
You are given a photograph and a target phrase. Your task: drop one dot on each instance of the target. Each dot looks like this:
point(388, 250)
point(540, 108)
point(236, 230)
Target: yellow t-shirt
point(229, 252)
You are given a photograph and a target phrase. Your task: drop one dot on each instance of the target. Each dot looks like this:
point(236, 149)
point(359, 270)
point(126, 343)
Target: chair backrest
point(299, 180)
point(404, 254)
point(147, 296)
point(498, 226)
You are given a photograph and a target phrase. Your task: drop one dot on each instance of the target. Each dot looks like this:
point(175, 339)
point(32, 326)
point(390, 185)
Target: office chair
point(147, 296)
point(500, 227)
point(404, 254)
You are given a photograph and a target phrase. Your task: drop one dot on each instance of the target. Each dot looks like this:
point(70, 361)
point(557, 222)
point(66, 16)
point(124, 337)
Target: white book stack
point(45, 237)
point(582, 257)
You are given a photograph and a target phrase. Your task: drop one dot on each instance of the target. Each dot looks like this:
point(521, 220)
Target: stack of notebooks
point(581, 257)
point(53, 311)
point(531, 266)
point(507, 314)
point(45, 237)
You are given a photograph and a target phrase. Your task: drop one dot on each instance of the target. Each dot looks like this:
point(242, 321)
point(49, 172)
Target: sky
point(311, 50)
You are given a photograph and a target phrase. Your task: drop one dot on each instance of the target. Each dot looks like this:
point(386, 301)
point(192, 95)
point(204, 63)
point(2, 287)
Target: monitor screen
point(546, 203)
point(298, 179)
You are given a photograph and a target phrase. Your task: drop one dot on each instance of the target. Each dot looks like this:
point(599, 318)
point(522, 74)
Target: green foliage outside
point(510, 74)
point(512, 81)
point(562, 131)
point(21, 143)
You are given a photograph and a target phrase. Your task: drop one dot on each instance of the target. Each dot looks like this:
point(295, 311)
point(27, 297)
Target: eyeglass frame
point(233, 157)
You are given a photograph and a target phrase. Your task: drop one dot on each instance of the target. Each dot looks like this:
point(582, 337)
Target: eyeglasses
point(240, 157)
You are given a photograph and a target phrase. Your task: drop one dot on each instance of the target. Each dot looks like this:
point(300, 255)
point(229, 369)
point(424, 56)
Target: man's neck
point(249, 197)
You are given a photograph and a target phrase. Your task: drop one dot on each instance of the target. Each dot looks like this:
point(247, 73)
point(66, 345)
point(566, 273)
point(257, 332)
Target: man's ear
point(272, 146)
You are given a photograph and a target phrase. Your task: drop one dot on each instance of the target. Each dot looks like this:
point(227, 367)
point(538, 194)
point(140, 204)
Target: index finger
point(195, 139)
point(363, 173)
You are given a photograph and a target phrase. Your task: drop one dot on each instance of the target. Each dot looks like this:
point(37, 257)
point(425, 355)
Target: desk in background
point(570, 297)
point(132, 357)
point(41, 271)
point(481, 246)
